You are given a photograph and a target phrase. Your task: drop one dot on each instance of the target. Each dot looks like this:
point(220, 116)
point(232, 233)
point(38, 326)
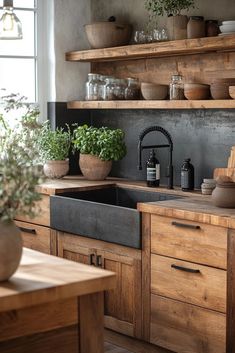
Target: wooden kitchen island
point(53, 305)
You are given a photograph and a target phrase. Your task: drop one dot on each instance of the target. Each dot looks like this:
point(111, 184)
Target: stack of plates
point(228, 27)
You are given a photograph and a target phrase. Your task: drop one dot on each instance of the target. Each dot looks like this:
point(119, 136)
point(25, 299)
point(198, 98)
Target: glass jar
point(109, 89)
point(132, 92)
point(176, 88)
point(92, 87)
point(196, 27)
point(101, 88)
point(119, 88)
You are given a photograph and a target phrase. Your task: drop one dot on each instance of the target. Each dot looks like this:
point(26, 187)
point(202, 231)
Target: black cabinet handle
point(99, 261)
point(28, 230)
point(185, 269)
point(91, 259)
point(184, 225)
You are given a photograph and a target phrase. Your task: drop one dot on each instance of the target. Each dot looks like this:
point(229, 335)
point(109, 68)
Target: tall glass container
point(176, 88)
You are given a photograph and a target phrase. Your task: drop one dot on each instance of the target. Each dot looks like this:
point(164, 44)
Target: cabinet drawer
point(195, 284)
point(35, 237)
point(191, 241)
point(185, 328)
point(43, 217)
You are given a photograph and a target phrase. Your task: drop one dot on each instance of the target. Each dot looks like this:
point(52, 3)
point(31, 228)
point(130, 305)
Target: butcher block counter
point(53, 305)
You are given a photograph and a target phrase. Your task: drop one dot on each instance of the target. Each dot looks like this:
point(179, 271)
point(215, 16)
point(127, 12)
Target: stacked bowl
point(220, 88)
point(196, 91)
point(227, 27)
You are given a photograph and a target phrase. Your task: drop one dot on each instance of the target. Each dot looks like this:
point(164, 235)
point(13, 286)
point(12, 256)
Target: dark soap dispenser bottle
point(187, 175)
point(153, 170)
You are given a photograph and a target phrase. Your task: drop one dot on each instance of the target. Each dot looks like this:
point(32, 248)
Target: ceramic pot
point(93, 168)
point(224, 195)
point(56, 169)
point(177, 27)
point(10, 249)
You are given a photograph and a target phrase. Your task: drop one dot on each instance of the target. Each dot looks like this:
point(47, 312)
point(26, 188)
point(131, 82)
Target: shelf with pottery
point(154, 104)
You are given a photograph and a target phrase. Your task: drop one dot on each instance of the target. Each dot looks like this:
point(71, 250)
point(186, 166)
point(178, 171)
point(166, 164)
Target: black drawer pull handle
point(28, 230)
point(183, 225)
point(91, 259)
point(185, 269)
point(99, 261)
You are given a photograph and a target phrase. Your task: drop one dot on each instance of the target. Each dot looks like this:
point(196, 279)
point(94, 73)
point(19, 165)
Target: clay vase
point(177, 27)
point(10, 249)
point(224, 195)
point(93, 168)
point(56, 169)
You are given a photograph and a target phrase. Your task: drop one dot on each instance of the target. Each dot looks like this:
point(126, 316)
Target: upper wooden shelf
point(154, 50)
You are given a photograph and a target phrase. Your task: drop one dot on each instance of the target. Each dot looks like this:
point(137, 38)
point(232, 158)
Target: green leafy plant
point(20, 172)
point(107, 144)
point(168, 7)
point(54, 145)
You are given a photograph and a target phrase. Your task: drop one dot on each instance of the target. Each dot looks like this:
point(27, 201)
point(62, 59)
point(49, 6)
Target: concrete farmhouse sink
point(107, 214)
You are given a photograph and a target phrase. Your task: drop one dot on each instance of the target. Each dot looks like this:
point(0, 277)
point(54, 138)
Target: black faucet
point(169, 145)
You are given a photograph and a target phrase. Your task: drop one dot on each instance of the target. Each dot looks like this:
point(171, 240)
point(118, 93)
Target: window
point(18, 58)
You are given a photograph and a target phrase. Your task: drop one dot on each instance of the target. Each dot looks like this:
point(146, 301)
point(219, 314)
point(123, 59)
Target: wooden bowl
point(220, 91)
point(108, 34)
point(232, 91)
point(196, 91)
point(153, 91)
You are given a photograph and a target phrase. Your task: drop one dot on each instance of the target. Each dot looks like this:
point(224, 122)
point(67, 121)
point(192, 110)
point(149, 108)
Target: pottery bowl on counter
point(232, 91)
point(108, 34)
point(153, 91)
point(196, 91)
point(220, 88)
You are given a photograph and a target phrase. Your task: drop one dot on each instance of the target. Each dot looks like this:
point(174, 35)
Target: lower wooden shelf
point(160, 104)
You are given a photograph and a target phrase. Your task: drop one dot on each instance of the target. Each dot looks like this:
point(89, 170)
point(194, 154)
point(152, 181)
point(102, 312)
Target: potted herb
point(54, 147)
point(19, 176)
point(176, 22)
point(98, 147)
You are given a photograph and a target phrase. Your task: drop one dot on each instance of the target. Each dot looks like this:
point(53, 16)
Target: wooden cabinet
point(123, 304)
point(187, 303)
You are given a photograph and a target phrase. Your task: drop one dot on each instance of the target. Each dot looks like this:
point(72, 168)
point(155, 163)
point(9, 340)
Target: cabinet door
point(123, 304)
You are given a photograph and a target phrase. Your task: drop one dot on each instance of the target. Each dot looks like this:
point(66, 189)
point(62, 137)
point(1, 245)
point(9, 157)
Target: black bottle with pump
point(153, 170)
point(187, 175)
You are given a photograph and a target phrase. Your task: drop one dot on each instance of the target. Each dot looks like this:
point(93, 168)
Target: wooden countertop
point(42, 279)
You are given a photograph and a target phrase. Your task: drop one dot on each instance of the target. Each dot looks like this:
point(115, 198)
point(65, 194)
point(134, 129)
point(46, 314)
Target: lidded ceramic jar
point(196, 27)
point(224, 195)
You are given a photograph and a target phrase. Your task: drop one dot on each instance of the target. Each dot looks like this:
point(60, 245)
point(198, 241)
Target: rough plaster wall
point(70, 16)
point(133, 10)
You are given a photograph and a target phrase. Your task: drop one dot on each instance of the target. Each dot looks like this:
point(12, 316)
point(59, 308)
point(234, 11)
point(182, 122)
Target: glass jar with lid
point(109, 89)
point(92, 87)
point(132, 91)
point(119, 88)
point(176, 87)
point(101, 88)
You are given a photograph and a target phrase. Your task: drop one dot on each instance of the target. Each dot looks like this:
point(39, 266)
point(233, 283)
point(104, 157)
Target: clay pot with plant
point(98, 147)
point(19, 176)
point(176, 22)
point(54, 149)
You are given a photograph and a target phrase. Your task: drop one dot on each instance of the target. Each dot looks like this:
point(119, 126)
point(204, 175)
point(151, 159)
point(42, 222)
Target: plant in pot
point(98, 147)
point(54, 147)
point(176, 22)
point(19, 177)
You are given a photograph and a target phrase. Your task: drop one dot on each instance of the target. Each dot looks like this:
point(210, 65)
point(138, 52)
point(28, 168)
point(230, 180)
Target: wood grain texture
point(230, 294)
point(42, 279)
point(206, 245)
point(179, 47)
point(206, 289)
point(182, 327)
point(230, 172)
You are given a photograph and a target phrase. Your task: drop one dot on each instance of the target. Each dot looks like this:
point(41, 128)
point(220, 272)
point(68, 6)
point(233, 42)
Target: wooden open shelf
point(154, 50)
point(163, 104)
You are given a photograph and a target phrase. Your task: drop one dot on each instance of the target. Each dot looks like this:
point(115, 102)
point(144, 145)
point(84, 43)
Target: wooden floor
point(116, 343)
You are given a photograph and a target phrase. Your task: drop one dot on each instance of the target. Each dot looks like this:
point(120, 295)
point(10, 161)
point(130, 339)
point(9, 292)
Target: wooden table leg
point(92, 323)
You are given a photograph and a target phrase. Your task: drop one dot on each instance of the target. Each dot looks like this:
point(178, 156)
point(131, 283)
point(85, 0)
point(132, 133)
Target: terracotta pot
point(177, 27)
point(10, 249)
point(224, 195)
point(93, 168)
point(56, 169)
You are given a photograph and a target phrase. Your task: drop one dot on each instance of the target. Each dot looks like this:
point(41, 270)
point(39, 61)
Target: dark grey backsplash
point(205, 136)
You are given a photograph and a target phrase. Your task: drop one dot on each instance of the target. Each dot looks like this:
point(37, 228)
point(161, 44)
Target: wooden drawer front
point(206, 288)
point(185, 328)
point(191, 241)
point(43, 217)
point(35, 237)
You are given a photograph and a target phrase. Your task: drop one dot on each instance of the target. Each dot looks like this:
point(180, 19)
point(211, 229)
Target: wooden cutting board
point(225, 171)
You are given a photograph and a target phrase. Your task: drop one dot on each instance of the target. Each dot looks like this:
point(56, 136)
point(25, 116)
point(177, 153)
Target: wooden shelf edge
point(161, 104)
point(163, 49)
